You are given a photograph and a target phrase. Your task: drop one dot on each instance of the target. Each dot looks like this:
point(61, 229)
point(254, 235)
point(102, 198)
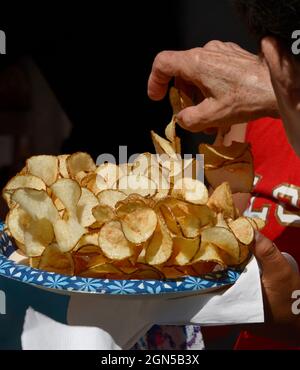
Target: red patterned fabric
point(276, 198)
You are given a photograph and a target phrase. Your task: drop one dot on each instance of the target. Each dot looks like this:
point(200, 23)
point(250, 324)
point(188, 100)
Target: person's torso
point(276, 194)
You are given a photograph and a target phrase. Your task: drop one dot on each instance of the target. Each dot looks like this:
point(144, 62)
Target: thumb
point(269, 257)
point(200, 117)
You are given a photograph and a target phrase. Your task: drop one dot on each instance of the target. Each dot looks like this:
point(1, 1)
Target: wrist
point(270, 106)
point(267, 102)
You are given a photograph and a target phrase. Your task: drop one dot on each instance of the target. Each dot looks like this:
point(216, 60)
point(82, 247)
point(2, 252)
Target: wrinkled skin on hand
point(279, 281)
point(228, 85)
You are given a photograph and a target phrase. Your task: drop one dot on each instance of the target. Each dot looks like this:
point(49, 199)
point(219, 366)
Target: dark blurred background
point(75, 77)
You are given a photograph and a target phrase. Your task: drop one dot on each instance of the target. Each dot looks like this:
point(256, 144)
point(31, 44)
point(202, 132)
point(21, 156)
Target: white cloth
point(42, 333)
point(122, 320)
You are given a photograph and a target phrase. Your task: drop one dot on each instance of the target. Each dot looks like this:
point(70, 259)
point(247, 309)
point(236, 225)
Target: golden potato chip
point(81, 177)
point(223, 239)
point(137, 184)
point(58, 204)
point(103, 214)
point(103, 271)
point(189, 225)
point(216, 156)
point(192, 224)
point(190, 169)
point(126, 168)
point(162, 182)
point(78, 162)
point(23, 171)
point(146, 273)
point(54, 260)
point(175, 100)
point(20, 246)
point(110, 173)
point(173, 166)
point(36, 203)
point(141, 258)
point(221, 201)
point(17, 220)
point(169, 219)
point(110, 197)
point(37, 236)
point(138, 222)
point(68, 192)
point(246, 157)
point(87, 179)
point(233, 164)
point(132, 260)
point(242, 230)
point(45, 167)
point(95, 183)
point(193, 191)
point(186, 101)
point(19, 257)
point(190, 218)
point(170, 132)
point(67, 234)
point(90, 238)
point(88, 250)
point(163, 146)
point(184, 250)
point(32, 247)
point(160, 246)
point(62, 165)
point(127, 270)
point(203, 268)
point(143, 162)
point(34, 262)
point(124, 264)
point(221, 221)
point(171, 272)
point(205, 215)
point(179, 100)
point(178, 145)
point(87, 257)
point(21, 181)
point(245, 254)
point(87, 202)
point(239, 176)
point(135, 198)
point(23, 261)
point(208, 252)
point(113, 242)
point(257, 223)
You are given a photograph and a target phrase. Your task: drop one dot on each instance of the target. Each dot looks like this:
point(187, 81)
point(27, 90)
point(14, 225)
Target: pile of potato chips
point(140, 220)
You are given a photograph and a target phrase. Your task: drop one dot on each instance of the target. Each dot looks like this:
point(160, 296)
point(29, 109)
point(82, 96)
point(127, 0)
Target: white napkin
point(122, 320)
point(127, 318)
point(42, 333)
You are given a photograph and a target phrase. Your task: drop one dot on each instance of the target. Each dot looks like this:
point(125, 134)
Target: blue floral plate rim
point(76, 284)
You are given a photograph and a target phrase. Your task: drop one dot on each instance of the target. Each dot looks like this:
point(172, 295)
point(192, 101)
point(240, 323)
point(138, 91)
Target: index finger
point(167, 64)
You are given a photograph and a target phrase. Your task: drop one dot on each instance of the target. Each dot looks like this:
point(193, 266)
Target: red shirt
point(276, 199)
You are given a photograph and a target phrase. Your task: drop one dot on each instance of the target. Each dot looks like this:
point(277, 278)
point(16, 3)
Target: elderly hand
point(279, 281)
point(231, 85)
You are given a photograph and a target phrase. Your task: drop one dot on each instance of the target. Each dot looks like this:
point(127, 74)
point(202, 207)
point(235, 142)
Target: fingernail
point(258, 236)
